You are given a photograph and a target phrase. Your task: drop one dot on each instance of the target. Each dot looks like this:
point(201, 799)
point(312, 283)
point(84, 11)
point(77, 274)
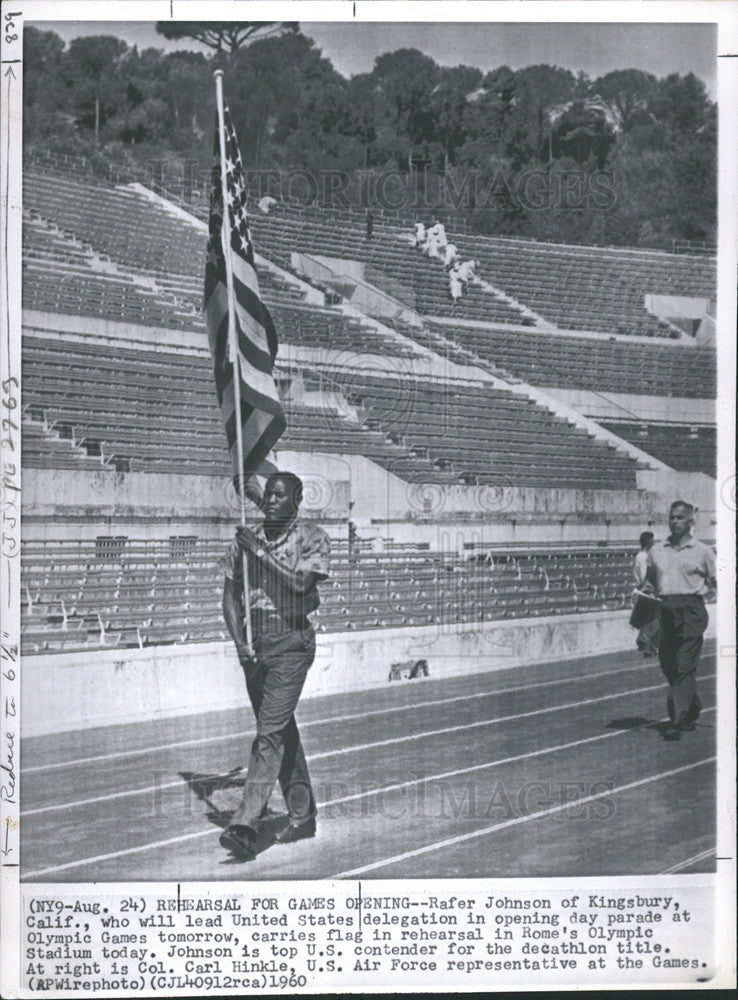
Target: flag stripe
point(248, 407)
point(264, 433)
point(259, 391)
point(247, 310)
point(260, 416)
point(258, 361)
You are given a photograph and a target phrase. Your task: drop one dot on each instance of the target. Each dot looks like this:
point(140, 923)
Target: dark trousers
point(274, 685)
point(649, 636)
point(683, 622)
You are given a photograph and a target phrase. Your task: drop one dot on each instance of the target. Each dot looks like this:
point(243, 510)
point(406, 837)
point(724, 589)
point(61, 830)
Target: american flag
point(262, 417)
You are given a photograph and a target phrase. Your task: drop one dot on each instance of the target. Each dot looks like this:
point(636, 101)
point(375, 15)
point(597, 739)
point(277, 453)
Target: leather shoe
point(241, 840)
point(290, 834)
point(673, 734)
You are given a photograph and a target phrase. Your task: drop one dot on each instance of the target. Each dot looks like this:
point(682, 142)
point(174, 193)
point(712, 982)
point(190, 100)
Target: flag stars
point(233, 214)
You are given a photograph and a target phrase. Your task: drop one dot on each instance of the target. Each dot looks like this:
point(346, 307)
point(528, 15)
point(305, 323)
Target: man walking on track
point(645, 615)
point(682, 569)
point(287, 558)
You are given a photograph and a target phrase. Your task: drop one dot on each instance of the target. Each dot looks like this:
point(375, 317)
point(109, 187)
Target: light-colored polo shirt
point(685, 569)
point(301, 547)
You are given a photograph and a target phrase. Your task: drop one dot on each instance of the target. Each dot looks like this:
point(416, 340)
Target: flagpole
point(233, 344)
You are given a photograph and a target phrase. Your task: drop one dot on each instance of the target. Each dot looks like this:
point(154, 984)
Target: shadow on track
point(209, 789)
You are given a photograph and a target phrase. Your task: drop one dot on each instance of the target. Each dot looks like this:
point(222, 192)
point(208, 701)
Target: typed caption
point(184, 939)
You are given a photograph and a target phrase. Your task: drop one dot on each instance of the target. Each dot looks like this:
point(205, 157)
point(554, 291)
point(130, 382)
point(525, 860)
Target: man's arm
point(710, 569)
point(639, 569)
point(651, 574)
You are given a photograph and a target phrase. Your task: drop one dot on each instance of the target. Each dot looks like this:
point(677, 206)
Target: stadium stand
point(572, 287)
point(595, 364)
point(61, 277)
point(577, 288)
point(45, 450)
point(119, 591)
point(107, 400)
point(99, 252)
point(388, 254)
point(688, 448)
point(417, 428)
point(491, 436)
point(588, 288)
point(82, 292)
point(117, 222)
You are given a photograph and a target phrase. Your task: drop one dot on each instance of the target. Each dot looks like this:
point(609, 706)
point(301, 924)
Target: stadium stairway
point(171, 223)
point(573, 288)
point(176, 219)
point(580, 288)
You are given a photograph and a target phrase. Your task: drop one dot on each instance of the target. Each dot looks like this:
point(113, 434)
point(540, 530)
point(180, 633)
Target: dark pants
point(274, 685)
point(646, 618)
point(683, 622)
point(649, 636)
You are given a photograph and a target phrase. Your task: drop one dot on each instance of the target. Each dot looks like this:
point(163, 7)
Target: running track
point(551, 770)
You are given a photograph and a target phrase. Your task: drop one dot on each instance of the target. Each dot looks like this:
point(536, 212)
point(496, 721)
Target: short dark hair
point(291, 481)
point(682, 503)
point(646, 538)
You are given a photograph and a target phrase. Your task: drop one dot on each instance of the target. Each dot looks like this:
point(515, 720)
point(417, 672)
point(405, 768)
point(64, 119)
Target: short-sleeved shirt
point(685, 569)
point(301, 547)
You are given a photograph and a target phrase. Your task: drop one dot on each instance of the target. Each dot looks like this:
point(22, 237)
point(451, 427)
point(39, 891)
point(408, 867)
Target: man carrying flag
point(271, 574)
point(286, 558)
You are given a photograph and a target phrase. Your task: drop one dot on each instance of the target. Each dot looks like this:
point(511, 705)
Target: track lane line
point(541, 814)
point(351, 798)
point(702, 856)
point(493, 763)
point(338, 718)
point(340, 751)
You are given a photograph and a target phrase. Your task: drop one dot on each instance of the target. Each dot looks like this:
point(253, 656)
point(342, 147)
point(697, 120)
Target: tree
point(582, 132)
point(224, 35)
point(447, 104)
point(537, 89)
point(486, 117)
point(406, 78)
point(364, 96)
point(91, 66)
point(43, 53)
point(184, 80)
point(681, 102)
point(287, 100)
point(628, 93)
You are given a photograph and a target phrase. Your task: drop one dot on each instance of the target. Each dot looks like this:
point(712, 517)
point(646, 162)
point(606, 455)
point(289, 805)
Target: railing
point(704, 247)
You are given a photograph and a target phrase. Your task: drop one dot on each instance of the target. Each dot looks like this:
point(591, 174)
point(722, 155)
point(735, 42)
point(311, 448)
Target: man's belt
point(271, 623)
